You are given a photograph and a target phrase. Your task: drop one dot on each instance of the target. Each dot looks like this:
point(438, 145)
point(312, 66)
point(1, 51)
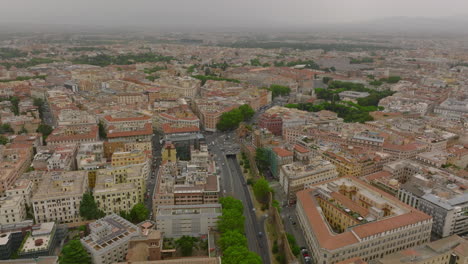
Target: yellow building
point(128, 158)
point(169, 153)
point(120, 188)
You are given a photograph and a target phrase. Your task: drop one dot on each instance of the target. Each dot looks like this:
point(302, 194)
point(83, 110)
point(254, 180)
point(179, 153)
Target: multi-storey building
point(346, 218)
point(13, 162)
point(12, 209)
point(133, 130)
point(125, 158)
point(58, 197)
point(210, 110)
point(187, 220)
point(449, 250)
point(298, 176)
point(441, 195)
point(108, 239)
point(120, 188)
point(73, 134)
point(187, 182)
point(23, 188)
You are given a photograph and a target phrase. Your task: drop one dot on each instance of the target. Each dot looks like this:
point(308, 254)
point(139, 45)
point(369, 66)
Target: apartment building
point(210, 110)
point(73, 134)
point(124, 158)
point(108, 240)
point(298, 176)
point(120, 188)
point(449, 250)
point(187, 220)
point(12, 209)
point(187, 182)
point(14, 161)
point(130, 128)
point(346, 218)
point(441, 195)
point(23, 188)
point(58, 196)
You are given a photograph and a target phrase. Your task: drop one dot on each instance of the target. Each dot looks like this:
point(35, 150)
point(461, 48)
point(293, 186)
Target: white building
point(187, 220)
point(58, 197)
point(108, 239)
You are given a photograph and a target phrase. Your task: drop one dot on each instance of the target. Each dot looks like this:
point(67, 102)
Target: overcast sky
point(220, 12)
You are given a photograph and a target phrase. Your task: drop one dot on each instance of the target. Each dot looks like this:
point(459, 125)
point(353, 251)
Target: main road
point(233, 183)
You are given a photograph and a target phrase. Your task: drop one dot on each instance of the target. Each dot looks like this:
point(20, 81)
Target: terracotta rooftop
point(124, 119)
point(332, 241)
point(168, 129)
point(301, 149)
point(148, 130)
point(282, 152)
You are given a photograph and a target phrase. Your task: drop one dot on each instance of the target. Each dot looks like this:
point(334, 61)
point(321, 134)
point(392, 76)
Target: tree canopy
point(230, 202)
point(231, 120)
point(3, 140)
point(89, 209)
point(186, 243)
point(261, 189)
point(277, 90)
point(232, 238)
point(231, 219)
point(139, 213)
point(74, 253)
point(45, 130)
point(261, 159)
point(240, 255)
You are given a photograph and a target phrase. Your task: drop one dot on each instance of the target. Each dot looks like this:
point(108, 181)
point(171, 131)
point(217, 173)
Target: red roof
point(123, 119)
point(148, 130)
point(168, 129)
point(282, 152)
point(301, 149)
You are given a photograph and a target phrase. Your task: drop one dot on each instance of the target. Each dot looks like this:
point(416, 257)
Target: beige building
point(297, 176)
point(12, 210)
point(120, 188)
point(187, 220)
point(58, 197)
point(346, 218)
point(449, 250)
point(108, 239)
point(23, 188)
point(191, 182)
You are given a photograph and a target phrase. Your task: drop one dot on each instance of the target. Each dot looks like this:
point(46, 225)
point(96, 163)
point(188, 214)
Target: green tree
point(6, 128)
point(231, 219)
point(277, 90)
point(15, 104)
point(231, 203)
point(261, 189)
point(186, 243)
point(247, 112)
point(3, 140)
point(23, 130)
point(255, 62)
point(293, 244)
point(102, 131)
point(89, 209)
point(326, 80)
point(261, 159)
point(232, 238)
point(240, 255)
point(40, 105)
point(74, 253)
point(139, 213)
point(45, 130)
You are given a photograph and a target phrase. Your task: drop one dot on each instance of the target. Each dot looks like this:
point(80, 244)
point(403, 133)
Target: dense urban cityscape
point(236, 148)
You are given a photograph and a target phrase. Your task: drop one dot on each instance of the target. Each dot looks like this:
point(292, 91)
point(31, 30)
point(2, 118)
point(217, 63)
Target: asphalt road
point(233, 183)
point(151, 181)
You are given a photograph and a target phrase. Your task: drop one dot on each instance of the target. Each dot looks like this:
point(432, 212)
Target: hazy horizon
point(221, 13)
